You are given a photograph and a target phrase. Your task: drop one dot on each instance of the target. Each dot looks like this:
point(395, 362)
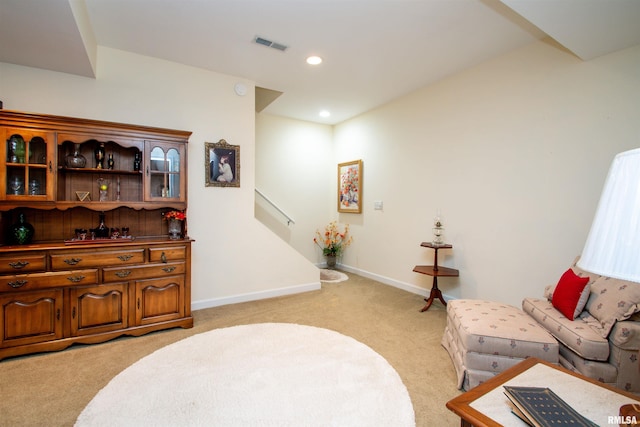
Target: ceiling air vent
point(270, 44)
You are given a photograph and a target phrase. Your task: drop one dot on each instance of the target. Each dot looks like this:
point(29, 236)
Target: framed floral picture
point(350, 187)
point(221, 164)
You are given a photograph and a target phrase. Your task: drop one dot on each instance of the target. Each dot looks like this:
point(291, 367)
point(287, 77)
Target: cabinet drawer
point(27, 282)
point(17, 264)
point(169, 253)
point(118, 274)
point(96, 259)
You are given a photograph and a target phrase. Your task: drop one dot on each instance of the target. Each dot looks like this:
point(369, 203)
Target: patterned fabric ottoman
point(484, 338)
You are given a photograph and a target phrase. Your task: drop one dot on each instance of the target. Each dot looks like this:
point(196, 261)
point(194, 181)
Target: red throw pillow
point(568, 292)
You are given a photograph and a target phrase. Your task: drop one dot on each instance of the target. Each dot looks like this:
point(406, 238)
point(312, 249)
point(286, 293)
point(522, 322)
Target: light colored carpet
point(267, 374)
point(52, 389)
point(332, 276)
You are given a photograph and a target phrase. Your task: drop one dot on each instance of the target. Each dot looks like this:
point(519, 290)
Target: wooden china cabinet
point(72, 284)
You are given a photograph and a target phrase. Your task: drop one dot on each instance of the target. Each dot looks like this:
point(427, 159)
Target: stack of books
point(541, 407)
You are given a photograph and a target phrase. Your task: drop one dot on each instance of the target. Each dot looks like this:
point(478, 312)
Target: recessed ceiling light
point(314, 60)
point(324, 113)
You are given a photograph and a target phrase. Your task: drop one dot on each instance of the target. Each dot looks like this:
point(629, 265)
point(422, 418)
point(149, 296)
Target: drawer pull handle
point(163, 257)
point(122, 274)
point(125, 258)
point(75, 279)
point(18, 283)
point(73, 261)
point(19, 264)
point(169, 269)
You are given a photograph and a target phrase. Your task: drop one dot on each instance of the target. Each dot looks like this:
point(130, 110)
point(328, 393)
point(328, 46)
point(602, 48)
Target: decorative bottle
point(110, 162)
point(100, 153)
point(102, 230)
point(137, 161)
point(21, 232)
point(75, 160)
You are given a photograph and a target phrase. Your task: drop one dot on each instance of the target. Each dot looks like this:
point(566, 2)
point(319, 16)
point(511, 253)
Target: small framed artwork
point(350, 187)
point(221, 164)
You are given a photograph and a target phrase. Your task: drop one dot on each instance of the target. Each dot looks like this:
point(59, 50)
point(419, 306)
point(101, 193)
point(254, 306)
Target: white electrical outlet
point(377, 205)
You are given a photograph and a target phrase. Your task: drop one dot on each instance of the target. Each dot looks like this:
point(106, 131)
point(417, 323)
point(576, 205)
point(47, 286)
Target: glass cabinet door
point(28, 159)
point(164, 171)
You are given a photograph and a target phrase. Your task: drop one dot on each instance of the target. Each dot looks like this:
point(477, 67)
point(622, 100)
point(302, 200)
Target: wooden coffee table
point(486, 404)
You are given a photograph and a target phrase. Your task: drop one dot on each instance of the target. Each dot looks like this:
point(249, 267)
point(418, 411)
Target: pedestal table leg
point(435, 293)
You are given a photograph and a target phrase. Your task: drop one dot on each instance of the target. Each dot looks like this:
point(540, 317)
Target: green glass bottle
point(21, 233)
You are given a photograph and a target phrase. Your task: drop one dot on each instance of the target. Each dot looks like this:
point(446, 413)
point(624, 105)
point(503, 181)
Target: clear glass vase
point(175, 229)
point(331, 261)
point(75, 160)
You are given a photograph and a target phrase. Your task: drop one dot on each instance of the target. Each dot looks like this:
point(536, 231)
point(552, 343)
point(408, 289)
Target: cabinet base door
point(159, 300)
point(101, 308)
point(30, 317)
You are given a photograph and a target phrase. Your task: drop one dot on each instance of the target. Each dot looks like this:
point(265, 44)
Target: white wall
point(513, 153)
point(235, 257)
point(293, 160)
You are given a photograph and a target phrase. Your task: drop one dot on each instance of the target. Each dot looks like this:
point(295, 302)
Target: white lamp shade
point(613, 245)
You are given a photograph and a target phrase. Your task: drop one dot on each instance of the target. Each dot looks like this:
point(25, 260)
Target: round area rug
point(332, 276)
point(267, 374)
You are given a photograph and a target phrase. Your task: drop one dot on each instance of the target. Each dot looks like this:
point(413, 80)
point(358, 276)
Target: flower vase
point(175, 229)
point(331, 261)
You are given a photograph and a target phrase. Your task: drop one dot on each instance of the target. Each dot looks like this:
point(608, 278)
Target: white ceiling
point(373, 50)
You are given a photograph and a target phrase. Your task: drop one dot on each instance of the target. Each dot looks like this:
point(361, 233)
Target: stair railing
point(265, 198)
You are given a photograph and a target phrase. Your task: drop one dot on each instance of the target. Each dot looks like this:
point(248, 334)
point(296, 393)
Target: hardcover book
point(541, 407)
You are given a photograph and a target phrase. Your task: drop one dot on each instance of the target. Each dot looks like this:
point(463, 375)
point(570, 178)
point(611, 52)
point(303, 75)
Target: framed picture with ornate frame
point(221, 164)
point(350, 187)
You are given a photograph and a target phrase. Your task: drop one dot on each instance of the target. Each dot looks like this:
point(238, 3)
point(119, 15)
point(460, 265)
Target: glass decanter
point(75, 160)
